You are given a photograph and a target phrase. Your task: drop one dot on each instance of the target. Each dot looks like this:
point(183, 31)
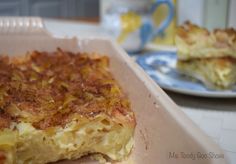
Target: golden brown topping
point(45, 89)
point(222, 38)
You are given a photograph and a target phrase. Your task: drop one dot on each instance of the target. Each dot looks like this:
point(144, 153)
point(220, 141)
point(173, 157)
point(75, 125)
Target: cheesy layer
point(28, 145)
point(215, 73)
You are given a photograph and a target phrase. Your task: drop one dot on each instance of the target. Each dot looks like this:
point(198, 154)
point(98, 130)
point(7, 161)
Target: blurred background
point(67, 9)
point(207, 13)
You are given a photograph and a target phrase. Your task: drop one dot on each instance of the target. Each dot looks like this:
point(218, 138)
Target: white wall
point(232, 14)
point(208, 13)
point(191, 10)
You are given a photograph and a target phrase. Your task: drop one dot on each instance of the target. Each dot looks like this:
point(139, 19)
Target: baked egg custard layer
point(61, 105)
point(215, 73)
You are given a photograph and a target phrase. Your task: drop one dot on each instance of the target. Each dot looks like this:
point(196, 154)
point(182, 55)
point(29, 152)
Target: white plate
point(161, 67)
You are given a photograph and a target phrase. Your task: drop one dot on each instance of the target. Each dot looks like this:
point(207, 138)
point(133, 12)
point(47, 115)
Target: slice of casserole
point(195, 42)
point(207, 56)
point(61, 105)
point(215, 73)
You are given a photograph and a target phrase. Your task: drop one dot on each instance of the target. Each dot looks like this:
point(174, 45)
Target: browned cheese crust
point(191, 33)
point(48, 89)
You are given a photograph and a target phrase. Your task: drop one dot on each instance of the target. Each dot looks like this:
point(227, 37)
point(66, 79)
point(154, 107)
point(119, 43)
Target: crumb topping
point(46, 89)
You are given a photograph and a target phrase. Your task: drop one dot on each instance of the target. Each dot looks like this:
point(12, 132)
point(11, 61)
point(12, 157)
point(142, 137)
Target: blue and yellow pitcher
point(131, 22)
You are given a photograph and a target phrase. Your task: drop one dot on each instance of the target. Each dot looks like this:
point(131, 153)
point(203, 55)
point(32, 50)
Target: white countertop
point(217, 117)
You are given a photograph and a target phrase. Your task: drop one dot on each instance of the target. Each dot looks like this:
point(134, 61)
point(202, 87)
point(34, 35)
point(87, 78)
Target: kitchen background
point(207, 13)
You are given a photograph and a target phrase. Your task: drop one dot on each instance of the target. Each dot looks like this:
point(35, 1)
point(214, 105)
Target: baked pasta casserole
point(207, 56)
point(193, 41)
point(61, 105)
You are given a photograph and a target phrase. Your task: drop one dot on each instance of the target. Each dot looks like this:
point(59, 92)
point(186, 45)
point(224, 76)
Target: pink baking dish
point(163, 135)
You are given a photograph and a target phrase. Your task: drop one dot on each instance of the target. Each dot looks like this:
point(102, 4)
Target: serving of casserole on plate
point(161, 127)
point(207, 56)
